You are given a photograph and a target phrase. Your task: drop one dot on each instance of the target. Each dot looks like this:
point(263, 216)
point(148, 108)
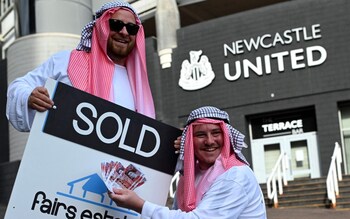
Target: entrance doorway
point(301, 150)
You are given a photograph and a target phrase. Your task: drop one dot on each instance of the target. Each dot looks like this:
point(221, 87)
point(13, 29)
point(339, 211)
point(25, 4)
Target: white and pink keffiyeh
point(189, 195)
point(92, 71)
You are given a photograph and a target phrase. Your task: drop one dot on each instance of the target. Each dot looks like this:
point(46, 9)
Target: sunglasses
point(117, 25)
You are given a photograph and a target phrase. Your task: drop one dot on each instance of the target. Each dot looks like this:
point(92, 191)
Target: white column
point(167, 22)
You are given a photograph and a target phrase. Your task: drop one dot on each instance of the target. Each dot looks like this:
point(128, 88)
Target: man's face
point(208, 141)
point(121, 43)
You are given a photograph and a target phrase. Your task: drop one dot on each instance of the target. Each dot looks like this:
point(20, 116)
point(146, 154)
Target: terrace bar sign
point(299, 58)
point(293, 127)
point(284, 123)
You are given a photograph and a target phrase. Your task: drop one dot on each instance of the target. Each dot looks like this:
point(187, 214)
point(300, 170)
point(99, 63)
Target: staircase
point(310, 193)
point(343, 201)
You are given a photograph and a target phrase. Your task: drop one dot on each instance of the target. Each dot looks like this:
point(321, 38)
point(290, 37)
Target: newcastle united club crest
point(196, 73)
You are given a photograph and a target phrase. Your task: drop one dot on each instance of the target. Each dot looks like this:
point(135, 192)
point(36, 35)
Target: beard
point(118, 49)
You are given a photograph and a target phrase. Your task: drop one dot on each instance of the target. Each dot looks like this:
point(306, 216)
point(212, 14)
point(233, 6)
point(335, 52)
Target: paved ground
point(287, 213)
point(307, 213)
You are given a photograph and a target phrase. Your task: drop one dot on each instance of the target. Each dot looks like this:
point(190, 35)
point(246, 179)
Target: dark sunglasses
point(117, 25)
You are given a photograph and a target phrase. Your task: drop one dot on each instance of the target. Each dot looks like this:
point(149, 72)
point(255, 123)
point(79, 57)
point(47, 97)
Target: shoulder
point(235, 185)
point(64, 54)
point(60, 57)
point(239, 181)
point(239, 170)
point(57, 61)
point(242, 175)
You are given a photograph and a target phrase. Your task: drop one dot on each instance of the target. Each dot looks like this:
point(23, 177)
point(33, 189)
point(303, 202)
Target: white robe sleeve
point(17, 110)
point(234, 195)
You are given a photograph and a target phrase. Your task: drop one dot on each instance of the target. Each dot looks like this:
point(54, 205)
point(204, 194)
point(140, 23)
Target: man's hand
point(127, 199)
point(177, 145)
point(40, 100)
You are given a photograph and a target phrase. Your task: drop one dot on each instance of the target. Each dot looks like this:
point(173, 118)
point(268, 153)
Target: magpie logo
point(196, 73)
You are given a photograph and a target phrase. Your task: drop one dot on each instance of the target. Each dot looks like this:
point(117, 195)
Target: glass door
point(301, 150)
point(299, 157)
point(271, 154)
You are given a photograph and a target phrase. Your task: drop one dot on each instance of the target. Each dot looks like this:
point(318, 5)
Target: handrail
point(279, 172)
point(334, 175)
point(173, 183)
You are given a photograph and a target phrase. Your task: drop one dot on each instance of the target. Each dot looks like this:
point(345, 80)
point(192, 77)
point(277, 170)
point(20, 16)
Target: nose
point(124, 31)
point(210, 139)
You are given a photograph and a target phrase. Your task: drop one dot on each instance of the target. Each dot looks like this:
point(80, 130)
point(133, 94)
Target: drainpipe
point(167, 22)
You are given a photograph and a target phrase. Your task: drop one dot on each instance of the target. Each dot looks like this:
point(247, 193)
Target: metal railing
point(173, 184)
point(278, 175)
point(334, 175)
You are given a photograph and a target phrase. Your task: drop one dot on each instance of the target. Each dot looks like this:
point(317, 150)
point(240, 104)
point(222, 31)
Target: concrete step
point(310, 193)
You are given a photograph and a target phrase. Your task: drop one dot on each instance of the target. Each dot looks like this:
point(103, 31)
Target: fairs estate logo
point(196, 73)
point(89, 191)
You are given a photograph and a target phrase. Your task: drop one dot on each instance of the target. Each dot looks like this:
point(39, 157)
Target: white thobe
point(21, 116)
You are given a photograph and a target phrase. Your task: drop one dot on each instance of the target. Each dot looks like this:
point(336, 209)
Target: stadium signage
point(299, 58)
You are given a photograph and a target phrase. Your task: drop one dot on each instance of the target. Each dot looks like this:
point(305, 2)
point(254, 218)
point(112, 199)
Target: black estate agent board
point(60, 173)
point(101, 125)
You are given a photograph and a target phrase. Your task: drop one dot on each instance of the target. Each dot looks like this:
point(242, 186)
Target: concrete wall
point(66, 16)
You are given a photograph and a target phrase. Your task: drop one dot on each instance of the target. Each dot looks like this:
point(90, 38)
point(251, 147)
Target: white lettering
point(84, 118)
point(306, 37)
point(316, 31)
point(122, 139)
point(230, 49)
point(267, 64)
point(99, 124)
point(288, 38)
point(268, 40)
point(263, 45)
point(121, 131)
point(281, 126)
point(139, 143)
point(239, 47)
point(227, 71)
point(252, 44)
point(278, 39)
point(310, 57)
point(297, 32)
point(280, 62)
point(255, 68)
point(294, 57)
